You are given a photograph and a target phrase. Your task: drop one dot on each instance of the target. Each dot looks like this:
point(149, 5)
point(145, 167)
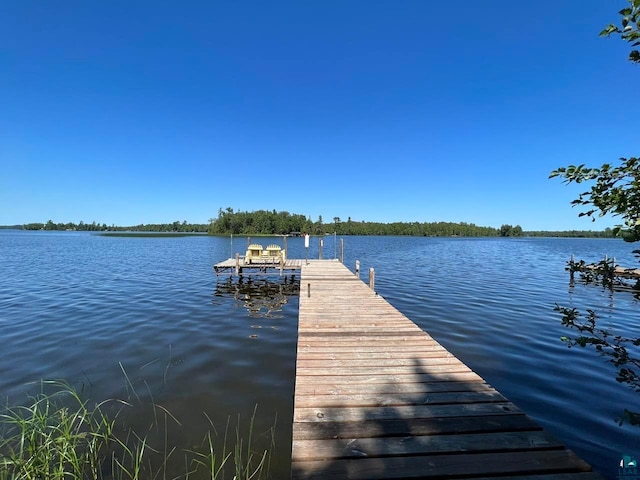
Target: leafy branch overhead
point(629, 29)
point(616, 192)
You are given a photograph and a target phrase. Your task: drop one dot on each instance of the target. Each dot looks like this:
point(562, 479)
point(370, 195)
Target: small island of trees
point(266, 222)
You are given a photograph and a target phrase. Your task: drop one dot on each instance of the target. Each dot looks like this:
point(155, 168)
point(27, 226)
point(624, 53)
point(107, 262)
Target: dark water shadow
point(261, 296)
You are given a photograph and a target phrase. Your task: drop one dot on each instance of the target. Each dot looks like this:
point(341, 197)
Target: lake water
point(86, 308)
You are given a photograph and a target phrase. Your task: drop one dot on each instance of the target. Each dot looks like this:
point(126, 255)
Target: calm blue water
point(85, 308)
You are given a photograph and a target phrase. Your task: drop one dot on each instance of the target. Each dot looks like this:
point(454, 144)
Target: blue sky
point(145, 112)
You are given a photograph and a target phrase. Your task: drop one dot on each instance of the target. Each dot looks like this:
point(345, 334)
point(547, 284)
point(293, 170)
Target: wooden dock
point(239, 265)
point(378, 398)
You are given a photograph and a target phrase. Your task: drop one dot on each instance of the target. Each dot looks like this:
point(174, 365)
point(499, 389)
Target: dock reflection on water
point(262, 296)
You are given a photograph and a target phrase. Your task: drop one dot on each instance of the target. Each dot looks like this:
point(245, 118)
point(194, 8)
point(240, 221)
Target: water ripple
point(76, 306)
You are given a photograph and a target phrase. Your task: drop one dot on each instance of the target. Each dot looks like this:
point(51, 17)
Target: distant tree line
point(280, 223)
point(423, 229)
point(606, 233)
point(265, 222)
point(176, 226)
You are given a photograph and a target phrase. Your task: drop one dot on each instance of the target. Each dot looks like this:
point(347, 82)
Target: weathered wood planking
point(378, 398)
point(229, 266)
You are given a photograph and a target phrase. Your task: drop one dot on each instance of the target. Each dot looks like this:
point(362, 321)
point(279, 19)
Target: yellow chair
point(274, 253)
point(254, 252)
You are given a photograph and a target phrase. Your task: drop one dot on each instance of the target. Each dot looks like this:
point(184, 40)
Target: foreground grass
point(59, 435)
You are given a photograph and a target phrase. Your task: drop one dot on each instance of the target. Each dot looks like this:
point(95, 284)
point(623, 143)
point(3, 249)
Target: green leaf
point(609, 30)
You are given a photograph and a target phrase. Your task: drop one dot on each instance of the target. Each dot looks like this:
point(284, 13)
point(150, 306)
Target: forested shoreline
point(264, 222)
point(176, 226)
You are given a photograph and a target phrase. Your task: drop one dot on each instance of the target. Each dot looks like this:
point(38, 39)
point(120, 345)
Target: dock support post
point(320, 248)
point(308, 290)
point(358, 268)
point(372, 279)
point(237, 264)
point(342, 251)
point(572, 264)
point(281, 265)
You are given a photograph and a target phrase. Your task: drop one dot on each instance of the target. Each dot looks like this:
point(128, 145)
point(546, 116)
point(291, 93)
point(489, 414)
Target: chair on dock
point(274, 253)
point(254, 252)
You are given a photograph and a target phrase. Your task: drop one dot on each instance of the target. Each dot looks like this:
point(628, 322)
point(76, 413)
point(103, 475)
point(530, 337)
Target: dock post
point(372, 279)
point(320, 248)
point(237, 263)
point(308, 290)
point(342, 251)
point(572, 268)
point(281, 265)
point(358, 268)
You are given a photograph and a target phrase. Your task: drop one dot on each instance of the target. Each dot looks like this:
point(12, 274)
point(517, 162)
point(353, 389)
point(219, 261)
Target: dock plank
point(417, 427)
point(424, 445)
point(376, 397)
point(442, 466)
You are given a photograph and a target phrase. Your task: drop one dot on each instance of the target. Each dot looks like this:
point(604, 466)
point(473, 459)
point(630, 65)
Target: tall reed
point(58, 435)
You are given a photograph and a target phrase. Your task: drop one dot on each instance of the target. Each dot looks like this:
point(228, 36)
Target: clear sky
point(133, 112)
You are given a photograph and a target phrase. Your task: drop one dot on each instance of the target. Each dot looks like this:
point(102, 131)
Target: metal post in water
point(237, 264)
point(320, 249)
point(358, 268)
point(342, 251)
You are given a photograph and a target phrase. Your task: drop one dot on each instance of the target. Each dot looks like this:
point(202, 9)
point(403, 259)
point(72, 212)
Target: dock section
point(378, 398)
point(240, 265)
